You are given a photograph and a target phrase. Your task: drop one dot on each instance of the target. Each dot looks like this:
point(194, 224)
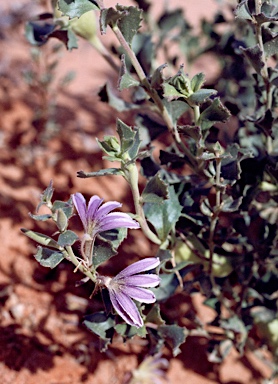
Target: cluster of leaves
point(211, 199)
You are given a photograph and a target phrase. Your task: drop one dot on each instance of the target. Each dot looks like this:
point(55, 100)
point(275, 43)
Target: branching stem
point(154, 95)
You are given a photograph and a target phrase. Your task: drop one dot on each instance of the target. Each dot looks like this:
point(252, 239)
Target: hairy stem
point(79, 265)
point(132, 178)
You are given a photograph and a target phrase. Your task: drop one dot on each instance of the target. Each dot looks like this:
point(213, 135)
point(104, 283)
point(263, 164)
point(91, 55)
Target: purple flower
point(130, 284)
point(96, 218)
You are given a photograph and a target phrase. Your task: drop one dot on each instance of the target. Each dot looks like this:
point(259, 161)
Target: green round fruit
point(221, 266)
point(269, 332)
point(85, 26)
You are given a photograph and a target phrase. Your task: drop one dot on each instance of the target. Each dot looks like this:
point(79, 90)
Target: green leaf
point(103, 251)
point(219, 351)
point(170, 20)
point(214, 113)
point(71, 40)
point(197, 81)
point(114, 236)
point(167, 287)
point(271, 47)
point(242, 11)
point(126, 18)
point(40, 217)
point(111, 146)
point(46, 196)
point(231, 205)
point(126, 80)
point(48, 258)
point(108, 16)
point(155, 191)
point(157, 77)
point(254, 55)
point(164, 216)
point(102, 172)
point(101, 325)
point(61, 220)
point(206, 155)
point(200, 96)
point(175, 109)
point(154, 316)
point(173, 335)
point(192, 131)
point(129, 23)
point(76, 8)
point(128, 331)
point(67, 238)
point(41, 238)
point(134, 150)
point(126, 134)
point(164, 255)
point(170, 92)
point(66, 207)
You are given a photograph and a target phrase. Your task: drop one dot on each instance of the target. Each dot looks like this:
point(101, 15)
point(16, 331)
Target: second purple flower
point(130, 284)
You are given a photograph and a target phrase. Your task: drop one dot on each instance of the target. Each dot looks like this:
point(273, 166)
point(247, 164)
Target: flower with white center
point(130, 284)
point(98, 218)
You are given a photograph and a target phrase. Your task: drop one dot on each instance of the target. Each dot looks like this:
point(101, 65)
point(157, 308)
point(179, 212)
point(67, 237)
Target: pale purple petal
point(142, 295)
point(80, 205)
point(117, 220)
point(106, 208)
point(93, 205)
point(139, 266)
point(144, 280)
point(126, 308)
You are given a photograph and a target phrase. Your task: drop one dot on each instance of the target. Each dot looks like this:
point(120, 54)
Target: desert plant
point(210, 202)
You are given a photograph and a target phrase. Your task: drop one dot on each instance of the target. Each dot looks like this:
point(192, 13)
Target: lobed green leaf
point(164, 216)
point(48, 257)
point(155, 191)
point(67, 238)
point(76, 8)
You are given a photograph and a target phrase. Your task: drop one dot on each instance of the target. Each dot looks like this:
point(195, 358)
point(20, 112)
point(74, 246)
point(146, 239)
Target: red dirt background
point(42, 338)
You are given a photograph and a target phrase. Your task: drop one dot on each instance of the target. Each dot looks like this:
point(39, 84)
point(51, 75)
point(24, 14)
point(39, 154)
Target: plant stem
point(258, 6)
point(97, 44)
point(132, 178)
point(154, 95)
point(79, 265)
point(196, 109)
point(216, 212)
point(218, 183)
point(264, 71)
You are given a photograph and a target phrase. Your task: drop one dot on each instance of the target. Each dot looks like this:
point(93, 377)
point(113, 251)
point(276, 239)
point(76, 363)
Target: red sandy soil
point(42, 338)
